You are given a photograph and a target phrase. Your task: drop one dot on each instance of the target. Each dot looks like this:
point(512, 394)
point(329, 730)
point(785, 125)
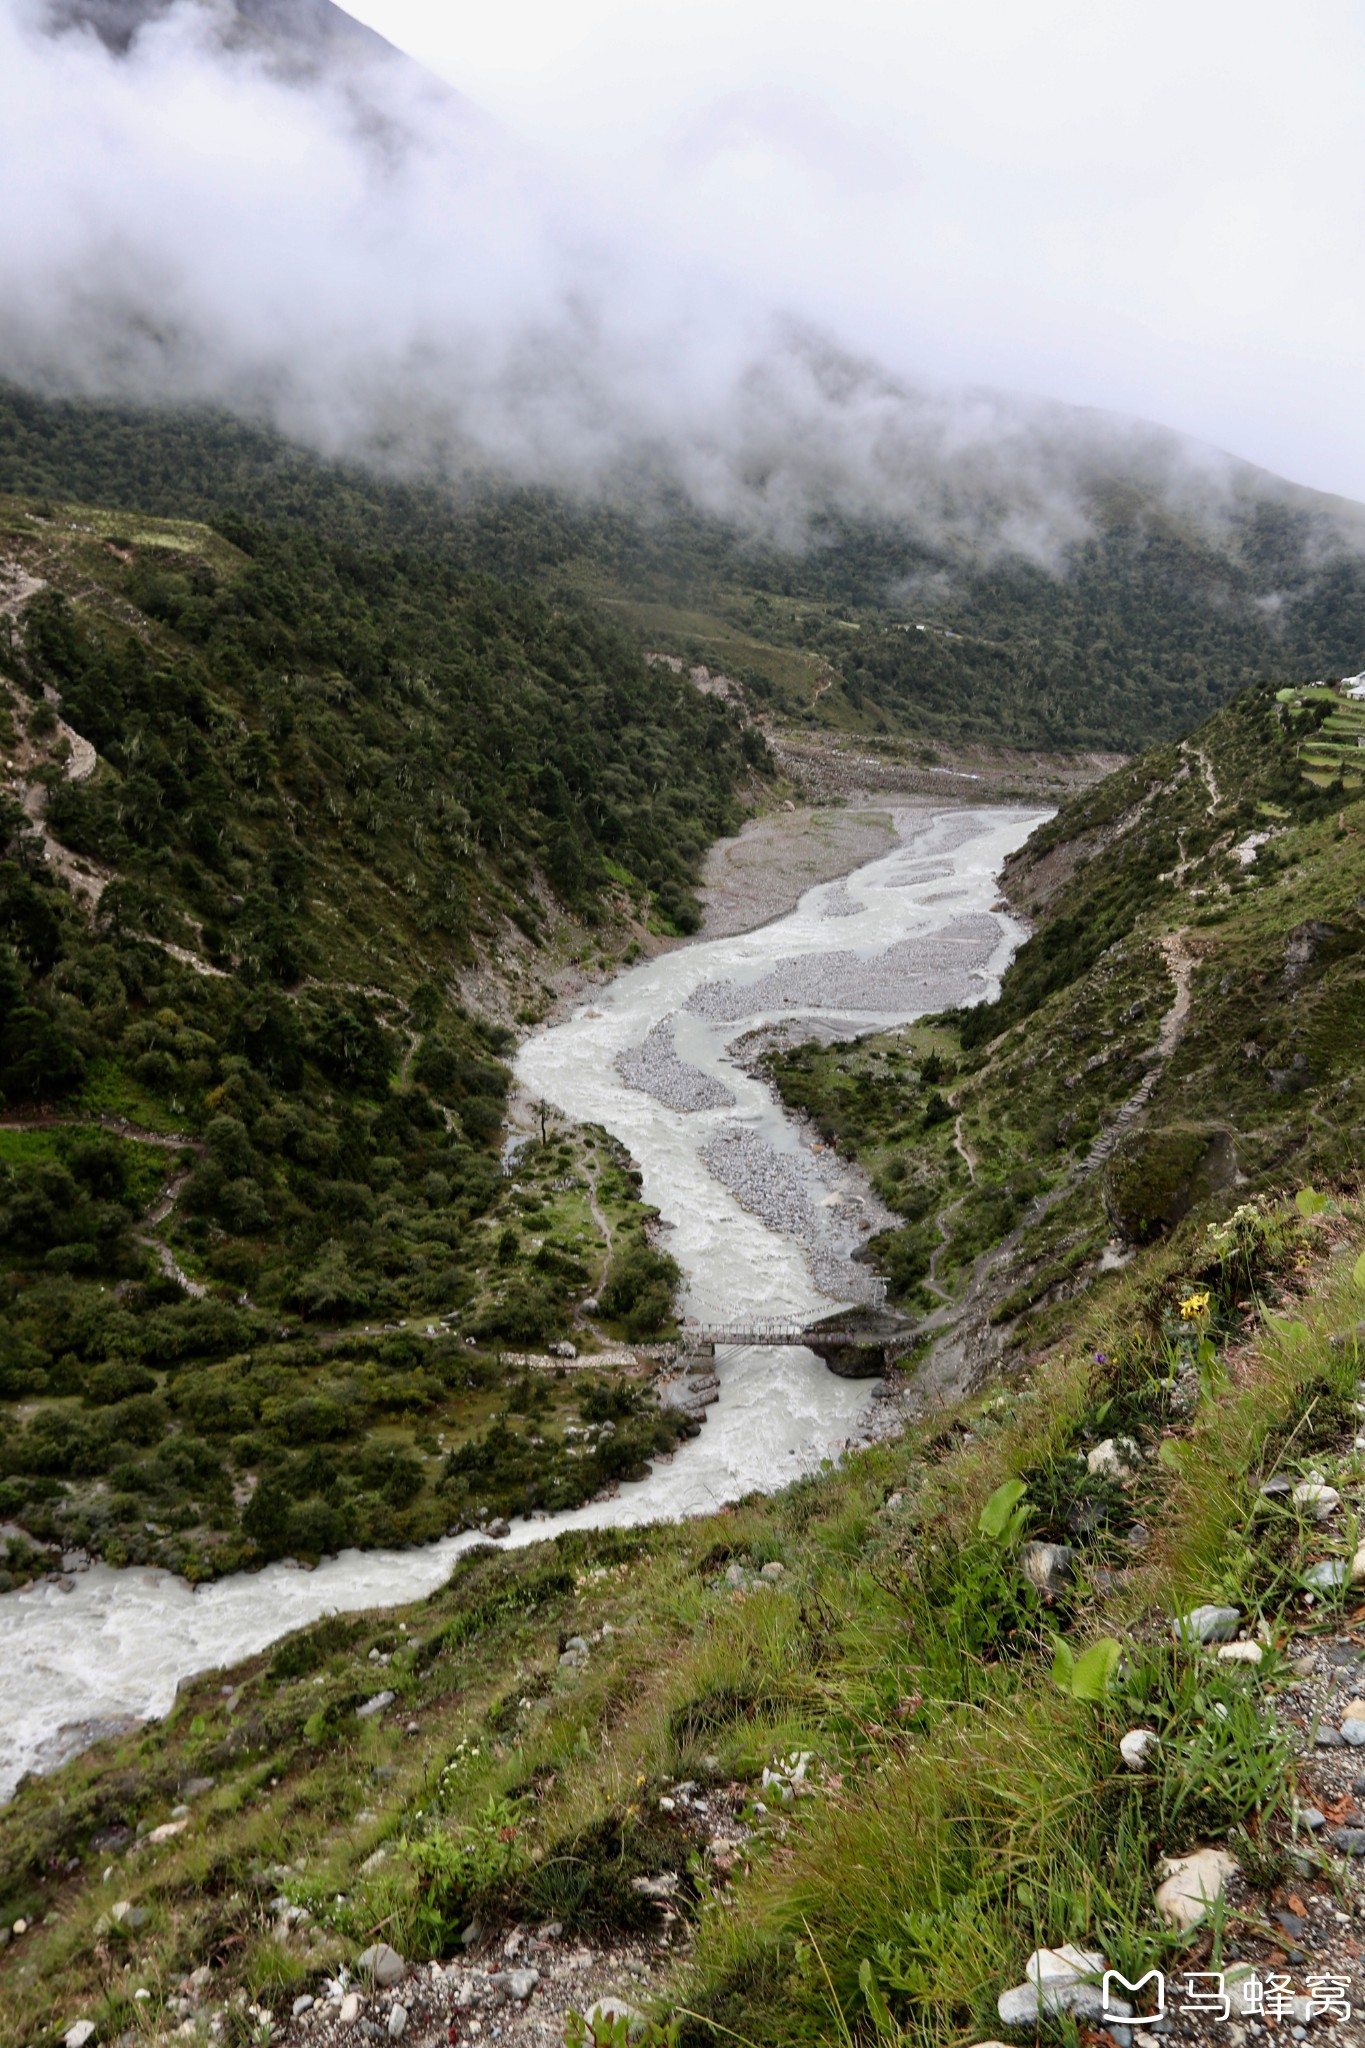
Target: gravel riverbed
point(655, 1066)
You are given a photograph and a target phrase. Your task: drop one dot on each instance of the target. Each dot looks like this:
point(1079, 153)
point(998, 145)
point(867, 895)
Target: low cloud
point(348, 250)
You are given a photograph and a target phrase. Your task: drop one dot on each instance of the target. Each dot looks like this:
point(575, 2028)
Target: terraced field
point(1337, 746)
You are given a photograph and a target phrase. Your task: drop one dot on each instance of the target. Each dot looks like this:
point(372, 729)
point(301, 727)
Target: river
point(909, 932)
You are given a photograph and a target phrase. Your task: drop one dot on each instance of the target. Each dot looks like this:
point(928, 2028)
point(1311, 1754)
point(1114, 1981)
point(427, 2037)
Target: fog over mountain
point(267, 207)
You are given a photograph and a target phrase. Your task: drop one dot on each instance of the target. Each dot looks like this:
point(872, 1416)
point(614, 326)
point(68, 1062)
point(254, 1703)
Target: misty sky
point(1156, 207)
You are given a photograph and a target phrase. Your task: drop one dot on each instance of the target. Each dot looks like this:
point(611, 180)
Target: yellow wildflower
point(1193, 1305)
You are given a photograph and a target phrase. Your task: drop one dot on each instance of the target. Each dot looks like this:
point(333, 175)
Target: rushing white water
point(909, 932)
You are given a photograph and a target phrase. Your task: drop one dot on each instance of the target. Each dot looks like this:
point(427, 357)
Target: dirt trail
point(87, 880)
point(51, 1120)
point(1189, 749)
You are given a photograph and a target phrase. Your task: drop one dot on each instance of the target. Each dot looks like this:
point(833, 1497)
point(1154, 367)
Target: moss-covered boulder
point(1157, 1175)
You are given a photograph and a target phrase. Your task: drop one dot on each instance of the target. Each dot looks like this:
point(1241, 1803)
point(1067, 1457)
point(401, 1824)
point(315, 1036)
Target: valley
point(420, 1009)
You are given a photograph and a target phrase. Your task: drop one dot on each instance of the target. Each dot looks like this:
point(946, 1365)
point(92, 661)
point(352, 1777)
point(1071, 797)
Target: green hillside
point(281, 799)
point(1167, 605)
point(1184, 1025)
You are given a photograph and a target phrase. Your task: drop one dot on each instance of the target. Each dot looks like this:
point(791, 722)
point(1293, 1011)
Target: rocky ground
point(946, 966)
point(784, 1191)
point(657, 1069)
point(829, 766)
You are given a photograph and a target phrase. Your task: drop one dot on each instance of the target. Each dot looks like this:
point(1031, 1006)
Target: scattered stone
point(384, 1965)
point(1313, 1818)
point(1321, 1501)
point(498, 1529)
point(1115, 1458)
point(1328, 1737)
point(610, 2012)
point(1207, 1625)
point(1350, 1841)
point(195, 1788)
point(79, 2034)
point(1048, 1566)
point(1275, 1488)
point(302, 2005)
point(1327, 1576)
point(350, 2009)
point(1137, 1745)
point(398, 2019)
point(774, 1570)
point(516, 1985)
point(167, 1832)
point(1240, 1653)
point(1058, 1980)
point(375, 1705)
point(1192, 1884)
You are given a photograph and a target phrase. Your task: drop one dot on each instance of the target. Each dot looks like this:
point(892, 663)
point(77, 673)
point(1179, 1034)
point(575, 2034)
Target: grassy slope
point(964, 1807)
point(969, 1123)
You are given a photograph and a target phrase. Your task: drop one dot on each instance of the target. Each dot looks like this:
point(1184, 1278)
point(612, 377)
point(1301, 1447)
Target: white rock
point(1207, 1625)
point(1113, 1459)
point(350, 2009)
point(1240, 1653)
point(1058, 1980)
point(1358, 1565)
point(398, 2019)
point(1320, 1500)
point(76, 2036)
point(609, 2010)
point(1192, 1884)
point(302, 2005)
point(374, 1705)
point(1137, 1745)
point(1018, 2007)
point(1327, 1576)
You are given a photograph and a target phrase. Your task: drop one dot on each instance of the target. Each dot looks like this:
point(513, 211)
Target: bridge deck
point(734, 1338)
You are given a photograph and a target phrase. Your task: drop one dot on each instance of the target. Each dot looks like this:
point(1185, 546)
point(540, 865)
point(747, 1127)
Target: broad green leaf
point(875, 2003)
point(1358, 1272)
point(1063, 1664)
point(1309, 1202)
point(996, 1516)
point(1095, 1669)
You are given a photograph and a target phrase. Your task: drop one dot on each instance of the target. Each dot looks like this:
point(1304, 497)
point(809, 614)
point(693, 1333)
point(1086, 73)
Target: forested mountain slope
point(269, 804)
point(1163, 601)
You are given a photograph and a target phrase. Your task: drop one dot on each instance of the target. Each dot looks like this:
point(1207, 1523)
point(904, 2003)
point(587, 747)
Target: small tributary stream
point(761, 1226)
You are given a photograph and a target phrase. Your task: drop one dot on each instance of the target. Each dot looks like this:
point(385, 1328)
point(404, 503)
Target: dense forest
point(243, 1106)
point(1132, 634)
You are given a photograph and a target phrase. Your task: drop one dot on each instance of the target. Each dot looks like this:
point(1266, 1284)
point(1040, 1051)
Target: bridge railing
point(751, 1334)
